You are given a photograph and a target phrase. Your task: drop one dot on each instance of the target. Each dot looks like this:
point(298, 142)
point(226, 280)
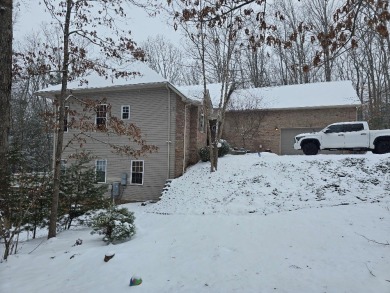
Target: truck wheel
point(382, 147)
point(310, 149)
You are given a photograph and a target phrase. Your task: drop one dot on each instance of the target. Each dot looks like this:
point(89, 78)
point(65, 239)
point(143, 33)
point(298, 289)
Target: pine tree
point(78, 191)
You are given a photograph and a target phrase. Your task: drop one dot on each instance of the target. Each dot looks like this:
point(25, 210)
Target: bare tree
point(245, 116)
point(165, 58)
point(5, 91)
point(214, 47)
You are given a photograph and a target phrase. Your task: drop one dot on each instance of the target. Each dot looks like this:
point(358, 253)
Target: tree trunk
point(5, 90)
point(60, 103)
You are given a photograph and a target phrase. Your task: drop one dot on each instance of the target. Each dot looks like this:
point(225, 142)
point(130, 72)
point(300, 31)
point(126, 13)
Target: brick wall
point(273, 120)
point(197, 139)
point(190, 139)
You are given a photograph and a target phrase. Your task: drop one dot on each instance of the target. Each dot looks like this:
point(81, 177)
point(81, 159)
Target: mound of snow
point(269, 184)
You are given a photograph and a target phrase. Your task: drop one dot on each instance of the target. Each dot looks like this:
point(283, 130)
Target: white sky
point(31, 15)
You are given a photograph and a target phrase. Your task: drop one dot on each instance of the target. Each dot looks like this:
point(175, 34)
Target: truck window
point(335, 128)
point(354, 127)
point(358, 127)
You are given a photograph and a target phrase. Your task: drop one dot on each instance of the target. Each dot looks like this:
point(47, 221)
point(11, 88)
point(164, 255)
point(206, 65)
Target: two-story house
point(167, 119)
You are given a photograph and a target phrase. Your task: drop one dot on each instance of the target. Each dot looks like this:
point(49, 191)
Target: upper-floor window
point(125, 112)
point(101, 171)
point(101, 116)
point(66, 118)
point(137, 172)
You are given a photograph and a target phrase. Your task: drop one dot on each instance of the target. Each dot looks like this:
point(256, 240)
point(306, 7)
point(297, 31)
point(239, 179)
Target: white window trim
point(131, 172)
point(105, 170)
point(96, 116)
point(122, 112)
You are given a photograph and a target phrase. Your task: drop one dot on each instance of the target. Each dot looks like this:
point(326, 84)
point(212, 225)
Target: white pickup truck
point(344, 136)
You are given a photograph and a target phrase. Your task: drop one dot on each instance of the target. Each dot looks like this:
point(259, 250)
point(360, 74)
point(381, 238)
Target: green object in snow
point(135, 281)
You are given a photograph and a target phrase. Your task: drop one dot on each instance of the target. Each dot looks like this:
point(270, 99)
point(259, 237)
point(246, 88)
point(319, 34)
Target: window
point(354, 127)
point(63, 167)
point(66, 118)
point(201, 122)
point(137, 172)
point(101, 116)
point(101, 167)
point(335, 128)
point(125, 112)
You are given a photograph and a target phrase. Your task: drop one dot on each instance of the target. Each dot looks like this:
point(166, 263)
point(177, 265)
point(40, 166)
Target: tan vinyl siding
point(149, 111)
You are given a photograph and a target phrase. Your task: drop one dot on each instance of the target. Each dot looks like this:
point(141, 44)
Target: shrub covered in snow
point(223, 148)
point(116, 224)
point(204, 154)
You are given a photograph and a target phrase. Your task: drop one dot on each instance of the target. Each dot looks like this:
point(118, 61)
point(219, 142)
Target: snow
point(259, 224)
point(142, 75)
point(321, 94)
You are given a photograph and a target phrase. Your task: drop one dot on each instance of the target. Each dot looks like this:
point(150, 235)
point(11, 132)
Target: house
point(168, 120)
point(261, 119)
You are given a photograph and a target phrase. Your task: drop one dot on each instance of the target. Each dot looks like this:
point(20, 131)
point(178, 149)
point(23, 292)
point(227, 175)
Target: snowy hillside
point(271, 183)
point(259, 224)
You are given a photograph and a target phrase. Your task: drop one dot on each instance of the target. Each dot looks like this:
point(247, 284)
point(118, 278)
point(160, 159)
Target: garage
point(291, 110)
point(287, 139)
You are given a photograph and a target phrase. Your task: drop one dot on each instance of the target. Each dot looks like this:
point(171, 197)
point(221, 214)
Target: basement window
point(101, 171)
point(137, 172)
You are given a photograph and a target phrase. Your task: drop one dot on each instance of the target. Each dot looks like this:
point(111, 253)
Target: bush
point(204, 154)
point(114, 223)
point(79, 193)
point(224, 149)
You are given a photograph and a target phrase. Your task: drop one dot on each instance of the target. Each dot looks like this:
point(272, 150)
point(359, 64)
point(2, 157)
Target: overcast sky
point(30, 16)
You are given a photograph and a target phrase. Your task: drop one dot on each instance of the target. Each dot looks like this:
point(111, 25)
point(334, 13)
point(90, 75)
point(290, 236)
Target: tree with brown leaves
point(82, 21)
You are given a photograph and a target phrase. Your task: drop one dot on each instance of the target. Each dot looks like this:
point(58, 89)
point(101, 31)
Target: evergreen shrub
point(204, 154)
point(116, 224)
point(224, 149)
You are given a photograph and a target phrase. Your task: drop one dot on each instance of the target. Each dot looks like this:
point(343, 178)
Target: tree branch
point(370, 240)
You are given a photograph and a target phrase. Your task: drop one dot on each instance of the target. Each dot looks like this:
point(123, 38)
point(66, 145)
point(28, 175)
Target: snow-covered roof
point(143, 75)
point(312, 95)
point(195, 92)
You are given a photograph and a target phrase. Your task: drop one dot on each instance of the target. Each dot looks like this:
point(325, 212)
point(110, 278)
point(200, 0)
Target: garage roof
point(311, 95)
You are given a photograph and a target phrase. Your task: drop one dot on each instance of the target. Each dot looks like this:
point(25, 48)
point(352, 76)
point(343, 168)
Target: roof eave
point(315, 107)
point(52, 94)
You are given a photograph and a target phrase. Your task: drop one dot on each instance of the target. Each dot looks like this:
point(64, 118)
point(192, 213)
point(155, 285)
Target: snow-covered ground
point(259, 224)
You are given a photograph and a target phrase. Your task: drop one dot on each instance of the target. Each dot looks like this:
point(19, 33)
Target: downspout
point(169, 131)
point(184, 139)
point(54, 137)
